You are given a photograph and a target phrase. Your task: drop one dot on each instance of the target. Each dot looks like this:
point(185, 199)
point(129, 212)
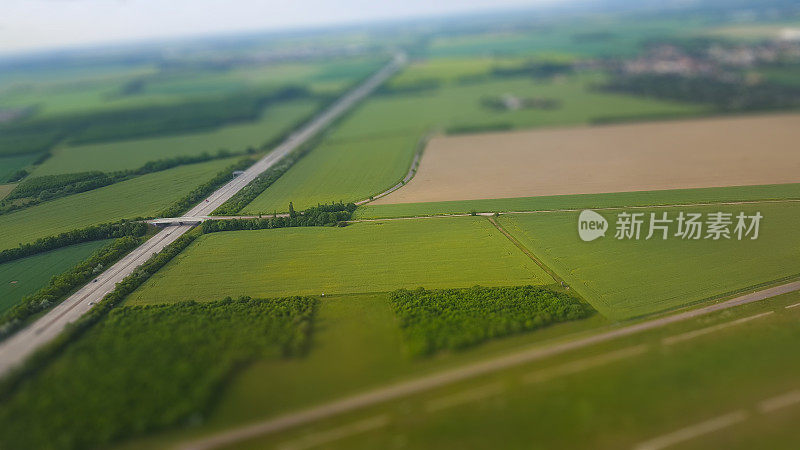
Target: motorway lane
point(15, 349)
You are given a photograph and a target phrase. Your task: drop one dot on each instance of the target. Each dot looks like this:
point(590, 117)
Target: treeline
point(47, 187)
point(535, 69)
point(204, 190)
point(453, 319)
point(39, 135)
point(479, 128)
point(160, 359)
point(725, 95)
point(317, 216)
point(64, 284)
point(93, 233)
point(248, 193)
point(416, 87)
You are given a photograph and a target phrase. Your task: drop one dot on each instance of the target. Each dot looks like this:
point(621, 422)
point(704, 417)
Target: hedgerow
point(453, 319)
point(64, 284)
point(92, 233)
point(316, 216)
point(145, 368)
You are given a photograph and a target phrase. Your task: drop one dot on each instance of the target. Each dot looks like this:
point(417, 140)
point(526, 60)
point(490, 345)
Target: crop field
point(138, 197)
point(105, 92)
point(587, 38)
point(400, 120)
point(130, 358)
point(24, 276)
point(10, 164)
point(609, 396)
point(359, 167)
point(356, 343)
point(131, 154)
point(363, 257)
point(771, 192)
point(629, 278)
point(618, 158)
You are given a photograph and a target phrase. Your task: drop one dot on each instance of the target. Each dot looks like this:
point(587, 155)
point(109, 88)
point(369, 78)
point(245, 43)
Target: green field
point(599, 36)
point(131, 154)
point(395, 122)
point(364, 257)
point(27, 275)
point(87, 92)
point(584, 201)
point(360, 168)
point(10, 164)
point(146, 368)
point(141, 196)
point(571, 401)
point(628, 278)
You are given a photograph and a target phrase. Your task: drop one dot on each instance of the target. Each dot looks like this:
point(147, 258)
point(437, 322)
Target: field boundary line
point(425, 383)
point(335, 434)
point(465, 396)
point(412, 172)
point(573, 367)
point(792, 306)
point(670, 340)
point(684, 434)
point(526, 251)
point(558, 210)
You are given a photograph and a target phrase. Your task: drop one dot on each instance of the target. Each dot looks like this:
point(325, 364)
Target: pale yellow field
point(738, 151)
point(6, 189)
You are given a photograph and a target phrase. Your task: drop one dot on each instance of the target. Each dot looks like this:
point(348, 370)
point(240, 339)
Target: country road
point(15, 349)
point(446, 377)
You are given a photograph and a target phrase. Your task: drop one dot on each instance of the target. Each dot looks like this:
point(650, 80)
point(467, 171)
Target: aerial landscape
point(545, 224)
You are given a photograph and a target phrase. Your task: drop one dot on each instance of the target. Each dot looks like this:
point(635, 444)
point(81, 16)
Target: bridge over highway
point(15, 349)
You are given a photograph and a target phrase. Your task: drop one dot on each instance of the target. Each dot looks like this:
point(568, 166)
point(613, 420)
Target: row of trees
point(317, 216)
point(93, 233)
point(453, 319)
point(204, 190)
point(39, 135)
point(724, 94)
point(64, 284)
point(39, 189)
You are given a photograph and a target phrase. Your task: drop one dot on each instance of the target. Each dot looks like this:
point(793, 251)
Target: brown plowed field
point(737, 151)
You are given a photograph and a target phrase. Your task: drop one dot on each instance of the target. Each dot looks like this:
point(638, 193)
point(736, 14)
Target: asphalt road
point(428, 382)
point(15, 349)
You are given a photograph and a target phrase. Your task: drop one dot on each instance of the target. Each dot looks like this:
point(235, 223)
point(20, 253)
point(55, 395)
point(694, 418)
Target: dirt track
point(699, 153)
point(428, 382)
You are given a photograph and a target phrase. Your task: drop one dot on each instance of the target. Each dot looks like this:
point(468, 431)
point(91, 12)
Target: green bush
point(145, 368)
point(453, 319)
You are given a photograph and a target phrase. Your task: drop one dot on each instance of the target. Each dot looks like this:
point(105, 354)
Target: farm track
point(559, 210)
point(426, 383)
point(17, 348)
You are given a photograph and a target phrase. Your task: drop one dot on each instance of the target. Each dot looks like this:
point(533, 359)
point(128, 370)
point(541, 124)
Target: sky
point(45, 24)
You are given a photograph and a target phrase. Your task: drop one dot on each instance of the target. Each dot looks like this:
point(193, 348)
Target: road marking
point(584, 364)
point(703, 331)
point(693, 431)
point(463, 397)
point(793, 306)
point(326, 437)
point(782, 401)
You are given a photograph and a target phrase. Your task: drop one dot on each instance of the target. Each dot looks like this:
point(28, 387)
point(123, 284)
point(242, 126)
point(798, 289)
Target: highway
point(15, 349)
